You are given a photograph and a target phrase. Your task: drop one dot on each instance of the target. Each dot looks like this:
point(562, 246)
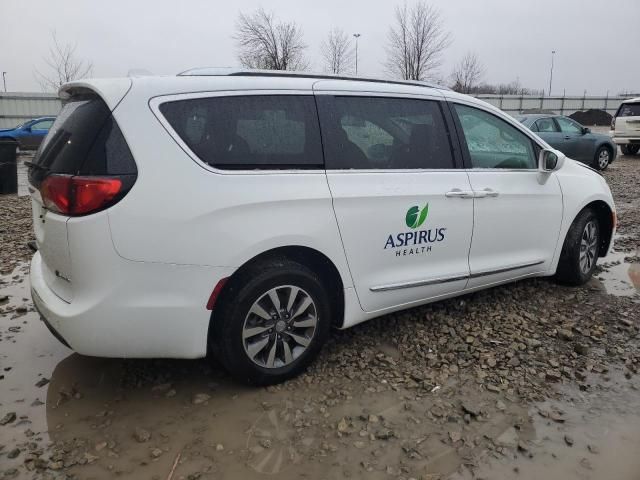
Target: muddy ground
point(529, 380)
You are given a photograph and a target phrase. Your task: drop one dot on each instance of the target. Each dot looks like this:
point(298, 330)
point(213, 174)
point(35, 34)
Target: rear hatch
point(82, 167)
point(627, 120)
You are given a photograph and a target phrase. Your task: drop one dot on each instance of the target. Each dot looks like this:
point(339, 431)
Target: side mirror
point(548, 161)
point(585, 130)
point(27, 129)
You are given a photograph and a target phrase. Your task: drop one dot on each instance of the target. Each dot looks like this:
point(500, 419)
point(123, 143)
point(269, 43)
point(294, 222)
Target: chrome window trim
point(454, 278)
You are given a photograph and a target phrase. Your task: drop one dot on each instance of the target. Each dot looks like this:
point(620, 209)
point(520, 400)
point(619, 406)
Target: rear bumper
point(634, 140)
point(134, 310)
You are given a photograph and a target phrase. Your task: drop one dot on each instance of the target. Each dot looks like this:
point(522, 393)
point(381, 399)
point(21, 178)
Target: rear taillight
point(77, 195)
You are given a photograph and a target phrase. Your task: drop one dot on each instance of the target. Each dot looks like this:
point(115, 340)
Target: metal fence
point(559, 104)
point(17, 108)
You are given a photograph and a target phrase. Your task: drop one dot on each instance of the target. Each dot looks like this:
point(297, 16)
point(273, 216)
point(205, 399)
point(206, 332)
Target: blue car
point(30, 134)
point(577, 142)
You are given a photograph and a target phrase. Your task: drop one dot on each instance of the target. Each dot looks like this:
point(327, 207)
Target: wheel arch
point(311, 258)
point(606, 218)
point(609, 146)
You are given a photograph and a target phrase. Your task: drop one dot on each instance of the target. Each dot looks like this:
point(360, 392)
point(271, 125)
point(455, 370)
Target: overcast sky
point(597, 43)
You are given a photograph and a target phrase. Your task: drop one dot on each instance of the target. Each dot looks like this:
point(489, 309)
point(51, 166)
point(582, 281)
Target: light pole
point(357, 35)
point(4, 80)
point(553, 53)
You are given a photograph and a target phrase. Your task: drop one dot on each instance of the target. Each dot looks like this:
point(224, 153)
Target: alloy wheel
point(603, 158)
point(588, 247)
point(279, 327)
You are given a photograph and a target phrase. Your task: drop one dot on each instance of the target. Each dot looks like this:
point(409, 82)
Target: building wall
point(17, 107)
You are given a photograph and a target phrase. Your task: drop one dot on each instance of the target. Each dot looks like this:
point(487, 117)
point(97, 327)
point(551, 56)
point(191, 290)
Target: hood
point(584, 165)
point(6, 130)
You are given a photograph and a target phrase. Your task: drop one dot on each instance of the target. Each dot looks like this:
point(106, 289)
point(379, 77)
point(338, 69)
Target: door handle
point(487, 192)
point(567, 137)
point(457, 193)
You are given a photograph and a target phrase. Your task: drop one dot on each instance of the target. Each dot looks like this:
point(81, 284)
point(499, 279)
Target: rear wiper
point(35, 165)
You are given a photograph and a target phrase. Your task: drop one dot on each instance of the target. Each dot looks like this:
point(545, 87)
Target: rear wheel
point(271, 323)
point(602, 158)
point(630, 149)
point(580, 250)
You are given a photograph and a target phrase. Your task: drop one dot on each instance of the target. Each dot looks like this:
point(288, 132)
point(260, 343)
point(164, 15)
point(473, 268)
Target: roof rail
point(228, 71)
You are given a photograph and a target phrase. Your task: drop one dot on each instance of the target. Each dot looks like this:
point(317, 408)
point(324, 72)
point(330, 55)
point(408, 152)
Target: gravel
point(448, 368)
point(15, 231)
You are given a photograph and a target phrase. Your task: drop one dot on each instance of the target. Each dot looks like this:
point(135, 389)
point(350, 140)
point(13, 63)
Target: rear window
point(249, 132)
point(629, 110)
point(84, 140)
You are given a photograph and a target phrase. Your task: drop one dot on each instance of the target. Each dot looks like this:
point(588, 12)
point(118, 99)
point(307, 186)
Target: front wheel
point(580, 250)
point(271, 323)
point(602, 158)
point(630, 149)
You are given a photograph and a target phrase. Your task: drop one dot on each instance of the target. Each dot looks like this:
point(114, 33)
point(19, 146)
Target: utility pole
point(357, 35)
point(4, 80)
point(553, 53)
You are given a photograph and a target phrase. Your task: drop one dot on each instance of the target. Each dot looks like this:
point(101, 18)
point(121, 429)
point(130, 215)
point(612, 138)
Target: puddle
point(619, 276)
point(26, 356)
point(598, 437)
point(148, 418)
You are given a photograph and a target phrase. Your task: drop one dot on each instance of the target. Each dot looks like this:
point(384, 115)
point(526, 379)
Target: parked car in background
point(247, 213)
point(28, 135)
point(574, 140)
point(625, 126)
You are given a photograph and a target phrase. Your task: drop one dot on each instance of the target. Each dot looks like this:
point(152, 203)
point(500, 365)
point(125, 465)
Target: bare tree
point(511, 88)
point(267, 43)
point(62, 66)
point(337, 52)
point(467, 74)
point(416, 42)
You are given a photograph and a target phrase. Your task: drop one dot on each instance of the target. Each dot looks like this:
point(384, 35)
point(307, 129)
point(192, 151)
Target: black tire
point(602, 158)
point(228, 320)
point(570, 271)
point(630, 149)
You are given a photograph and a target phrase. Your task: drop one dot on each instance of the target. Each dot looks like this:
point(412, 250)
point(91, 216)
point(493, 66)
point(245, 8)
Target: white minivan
point(245, 213)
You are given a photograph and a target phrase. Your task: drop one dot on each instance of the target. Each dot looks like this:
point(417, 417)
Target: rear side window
point(629, 110)
point(545, 125)
point(43, 125)
point(384, 133)
point(249, 132)
point(84, 140)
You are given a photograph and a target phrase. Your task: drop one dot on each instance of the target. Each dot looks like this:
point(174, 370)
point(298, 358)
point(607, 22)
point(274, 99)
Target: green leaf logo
point(416, 217)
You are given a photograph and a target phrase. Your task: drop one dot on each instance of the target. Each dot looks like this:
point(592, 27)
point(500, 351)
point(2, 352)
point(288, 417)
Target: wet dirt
point(592, 435)
point(619, 272)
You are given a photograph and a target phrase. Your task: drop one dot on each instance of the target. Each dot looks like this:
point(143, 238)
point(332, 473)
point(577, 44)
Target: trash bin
point(8, 167)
